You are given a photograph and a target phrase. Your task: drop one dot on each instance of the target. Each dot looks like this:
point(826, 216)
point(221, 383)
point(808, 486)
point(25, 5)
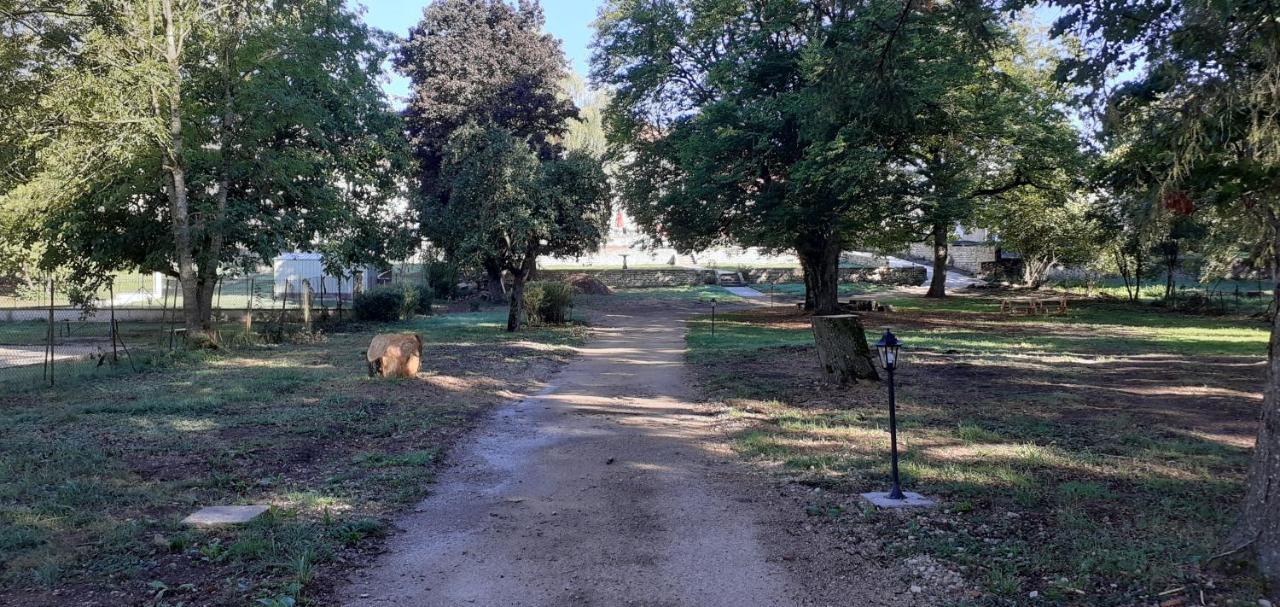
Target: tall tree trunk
point(214, 228)
point(1171, 261)
point(205, 300)
point(515, 313)
point(1122, 262)
point(1258, 531)
point(493, 278)
point(938, 284)
point(1137, 273)
point(175, 165)
point(820, 259)
point(807, 278)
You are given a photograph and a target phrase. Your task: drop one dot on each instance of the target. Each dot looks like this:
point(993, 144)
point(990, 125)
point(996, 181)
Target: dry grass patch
point(96, 474)
point(1094, 458)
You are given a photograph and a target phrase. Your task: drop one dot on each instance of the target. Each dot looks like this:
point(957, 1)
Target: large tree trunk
point(820, 260)
point(175, 165)
point(938, 284)
point(493, 277)
point(807, 278)
point(842, 349)
point(515, 313)
point(1258, 531)
point(215, 227)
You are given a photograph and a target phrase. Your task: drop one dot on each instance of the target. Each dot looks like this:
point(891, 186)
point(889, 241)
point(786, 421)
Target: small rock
point(1035, 594)
point(1264, 603)
point(916, 589)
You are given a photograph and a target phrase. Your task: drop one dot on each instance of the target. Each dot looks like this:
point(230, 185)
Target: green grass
point(699, 294)
point(1057, 472)
point(96, 473)
point(796, 290)
point(734, 334)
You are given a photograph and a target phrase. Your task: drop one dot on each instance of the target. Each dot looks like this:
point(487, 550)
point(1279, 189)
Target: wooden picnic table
point(1032, 305)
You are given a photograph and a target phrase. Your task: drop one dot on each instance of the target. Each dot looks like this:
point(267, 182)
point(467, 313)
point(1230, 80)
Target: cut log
point(842, 349)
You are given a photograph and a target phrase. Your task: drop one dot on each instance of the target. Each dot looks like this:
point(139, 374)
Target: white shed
point(290, 269)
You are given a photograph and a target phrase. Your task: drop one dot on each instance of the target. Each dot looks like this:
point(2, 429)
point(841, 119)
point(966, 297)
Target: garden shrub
point(547, 302)
point(393, 302)
point(379, 304)
point(423, 295)
point(443, 278)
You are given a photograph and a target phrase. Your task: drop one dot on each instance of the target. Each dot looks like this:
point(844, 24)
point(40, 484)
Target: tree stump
point(842, 349)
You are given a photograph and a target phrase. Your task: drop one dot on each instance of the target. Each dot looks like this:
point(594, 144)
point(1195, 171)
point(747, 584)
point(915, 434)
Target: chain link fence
point(50, 331)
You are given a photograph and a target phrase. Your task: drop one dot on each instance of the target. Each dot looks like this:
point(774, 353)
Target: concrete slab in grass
point(911, 500)
point(224, 515)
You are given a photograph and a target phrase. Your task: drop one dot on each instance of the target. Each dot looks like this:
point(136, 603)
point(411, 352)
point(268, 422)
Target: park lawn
point(96, 474)
point(699, 294)
point(1094, 458)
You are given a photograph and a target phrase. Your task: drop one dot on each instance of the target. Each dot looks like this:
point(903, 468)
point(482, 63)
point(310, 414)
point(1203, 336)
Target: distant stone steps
point(726, 278)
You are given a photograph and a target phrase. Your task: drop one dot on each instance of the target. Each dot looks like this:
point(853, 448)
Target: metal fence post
point(324, 306)
point(111, 293)
point(51, 323)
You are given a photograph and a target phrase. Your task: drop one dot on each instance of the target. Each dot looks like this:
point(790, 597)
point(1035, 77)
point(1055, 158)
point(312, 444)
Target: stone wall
point(911, 276)
point(970, 257)
point(678, 277)
point(641, 278)
point(967, 256)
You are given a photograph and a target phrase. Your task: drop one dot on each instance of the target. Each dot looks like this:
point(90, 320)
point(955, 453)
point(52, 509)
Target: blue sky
point(568, 20)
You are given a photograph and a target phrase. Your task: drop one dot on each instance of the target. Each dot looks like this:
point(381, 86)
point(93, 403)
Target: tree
point(511, 207)
point(996, 134)
point(782, 125)
point(1034, 199)
point(36, 40)
point(486, 62)
point(1043, 229)
point(244, 130)
point(587, 132)
point(1201, 90)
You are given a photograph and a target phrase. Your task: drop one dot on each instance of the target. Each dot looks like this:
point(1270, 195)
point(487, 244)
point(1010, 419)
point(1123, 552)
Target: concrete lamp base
point(912, 500)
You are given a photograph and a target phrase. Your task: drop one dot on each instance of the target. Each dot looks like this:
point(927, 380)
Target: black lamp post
point(713, 316)
point(888, 348)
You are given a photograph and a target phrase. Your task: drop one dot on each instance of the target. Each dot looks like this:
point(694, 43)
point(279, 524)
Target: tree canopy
point(798, 126)
point(486, 62)
point(512, 207)
point(244, 129)
point(490, 121)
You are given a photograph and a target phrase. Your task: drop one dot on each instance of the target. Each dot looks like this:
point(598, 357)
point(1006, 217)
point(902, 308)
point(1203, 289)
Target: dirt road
point(603, 490)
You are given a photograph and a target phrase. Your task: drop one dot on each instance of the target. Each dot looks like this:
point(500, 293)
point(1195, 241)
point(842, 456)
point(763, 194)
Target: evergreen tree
point(485, 62)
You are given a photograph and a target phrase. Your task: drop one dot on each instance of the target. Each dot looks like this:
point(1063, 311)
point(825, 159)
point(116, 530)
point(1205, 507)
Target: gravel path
point(605, 489)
